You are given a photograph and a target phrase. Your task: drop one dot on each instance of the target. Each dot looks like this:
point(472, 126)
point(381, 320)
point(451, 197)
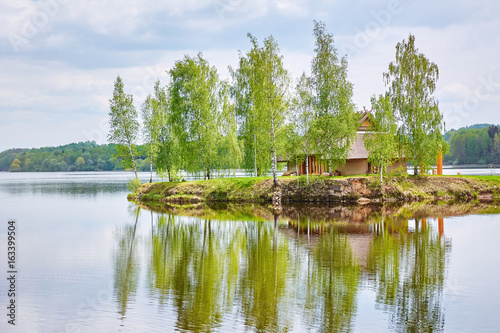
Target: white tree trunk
point(133, 160)
point(151, 165)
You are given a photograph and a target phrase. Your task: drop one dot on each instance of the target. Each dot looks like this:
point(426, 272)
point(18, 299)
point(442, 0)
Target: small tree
point(381, 141)
point(292, 146)
point(194, 112)
point(335, 121)
point(15, 166)
point(124, 126)
point(496, 146)
point(303, 119)
point(168, 151)
point(229, 147)
point(80, 162)
point(152, 115)
point(412, 81)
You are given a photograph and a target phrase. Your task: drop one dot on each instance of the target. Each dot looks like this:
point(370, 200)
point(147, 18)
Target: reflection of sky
point(64, 251)
point(453, 171)
point(66, 245)
point(472, 292)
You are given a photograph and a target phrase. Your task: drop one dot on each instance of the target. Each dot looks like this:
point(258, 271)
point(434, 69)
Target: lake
point(89, 261)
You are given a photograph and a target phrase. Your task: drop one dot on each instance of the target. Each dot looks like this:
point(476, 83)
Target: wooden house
point(357, 160)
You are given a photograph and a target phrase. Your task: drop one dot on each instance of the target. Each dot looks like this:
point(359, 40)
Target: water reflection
point(62, 189)
point(126, 264)
point(409, 269)
point(299, 271)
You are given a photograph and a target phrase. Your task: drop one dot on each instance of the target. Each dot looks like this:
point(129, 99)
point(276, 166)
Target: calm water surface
point(90, 261)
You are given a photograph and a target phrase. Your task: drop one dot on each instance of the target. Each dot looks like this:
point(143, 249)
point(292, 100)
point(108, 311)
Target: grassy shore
point(321, 189)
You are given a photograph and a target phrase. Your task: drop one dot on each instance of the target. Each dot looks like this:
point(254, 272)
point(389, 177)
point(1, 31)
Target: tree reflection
point(263, 281)
point(126, 264)
point(409, 270)
point(337, 280)
point(195, 265)
point(272, 275)
point(332, 276)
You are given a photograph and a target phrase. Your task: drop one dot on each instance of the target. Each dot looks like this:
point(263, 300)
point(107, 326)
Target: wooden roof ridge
point(364, 115)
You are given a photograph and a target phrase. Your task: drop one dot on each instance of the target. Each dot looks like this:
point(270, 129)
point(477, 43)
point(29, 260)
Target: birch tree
point(262, 101)
point(167, 156)
point(124, 126)
point(412, 80)
point(245, 85)
point(196, 113)
point(303, 119)
point(229, 147)
point(381, 141)
point(152, 114)
point(336, 121)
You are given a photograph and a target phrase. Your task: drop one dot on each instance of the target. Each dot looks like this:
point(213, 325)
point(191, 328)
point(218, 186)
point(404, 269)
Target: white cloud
point(295, 8)
point(456, 90)
point(63, 76)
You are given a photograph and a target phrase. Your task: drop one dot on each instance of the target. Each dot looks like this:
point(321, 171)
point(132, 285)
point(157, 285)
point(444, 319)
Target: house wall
point(291, 166)
point(354, 167)
point(396, 165)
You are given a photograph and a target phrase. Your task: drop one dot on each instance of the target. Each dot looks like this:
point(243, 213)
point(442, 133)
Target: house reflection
point(404, 258)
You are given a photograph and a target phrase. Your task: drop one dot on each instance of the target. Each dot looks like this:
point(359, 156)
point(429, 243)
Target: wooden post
point(440, 163)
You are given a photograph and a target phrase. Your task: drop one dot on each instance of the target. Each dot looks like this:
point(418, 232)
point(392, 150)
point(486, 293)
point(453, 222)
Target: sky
point(59, 58)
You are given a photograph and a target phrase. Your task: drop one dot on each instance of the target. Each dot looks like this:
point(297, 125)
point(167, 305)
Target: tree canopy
point(335, 119)
point(412, 80)
point(124, 126)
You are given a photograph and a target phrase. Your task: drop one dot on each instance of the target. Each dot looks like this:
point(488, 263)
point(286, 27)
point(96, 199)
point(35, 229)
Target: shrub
point(133, 184)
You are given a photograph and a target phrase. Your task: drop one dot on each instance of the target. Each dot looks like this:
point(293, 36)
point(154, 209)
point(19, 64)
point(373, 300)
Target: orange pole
point(440, 163)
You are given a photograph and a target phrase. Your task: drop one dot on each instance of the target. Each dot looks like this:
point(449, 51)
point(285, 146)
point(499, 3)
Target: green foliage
point(168, 159)
point(412, 81)
point(471, 145)
point(201, 117)
point(381, 142)
point(335, 122)
point(374, 183)
point(63, 158)
point(152, 116)
point(15, 166)
point(133, 184)
point(260, 86)
point(124, 126)
point(80, 162)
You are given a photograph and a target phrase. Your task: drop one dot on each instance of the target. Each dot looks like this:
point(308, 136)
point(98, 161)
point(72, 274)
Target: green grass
point(259, 189)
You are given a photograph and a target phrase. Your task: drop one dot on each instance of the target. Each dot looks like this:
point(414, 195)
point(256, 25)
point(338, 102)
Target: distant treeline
point(476, 144)
point(83, 156)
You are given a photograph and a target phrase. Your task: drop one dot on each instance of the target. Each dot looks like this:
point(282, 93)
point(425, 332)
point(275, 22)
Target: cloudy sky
point(59, 58)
